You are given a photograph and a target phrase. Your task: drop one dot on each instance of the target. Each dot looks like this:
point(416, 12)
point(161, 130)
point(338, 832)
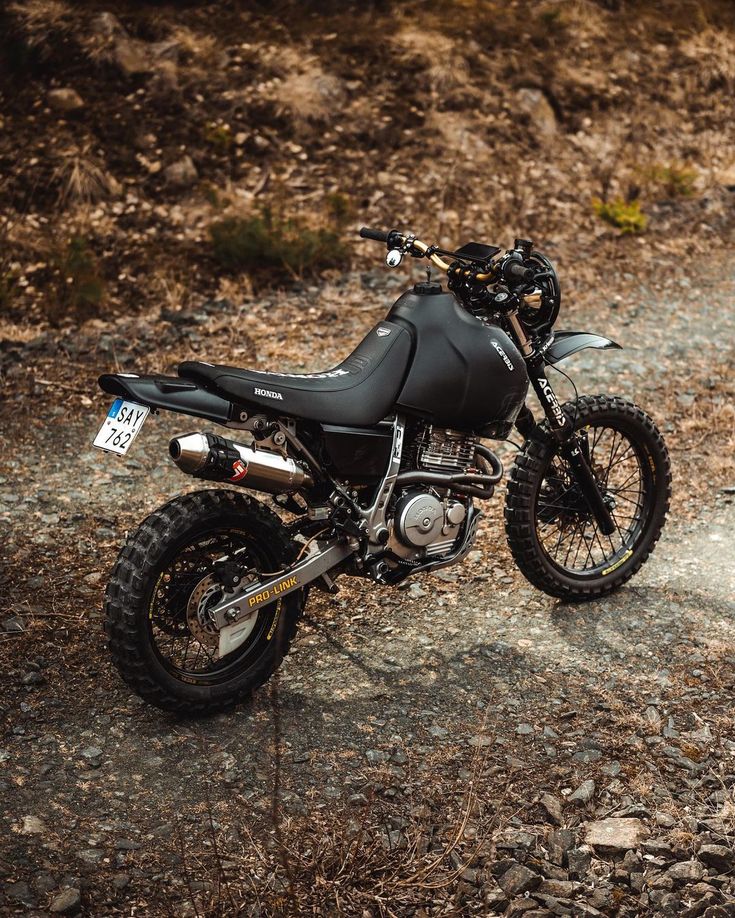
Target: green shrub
point(265, 241)
point(627, 216)
point(674, 181)
point(551, 17)
point(79, 285)
point(8, 289)
point(340, 208)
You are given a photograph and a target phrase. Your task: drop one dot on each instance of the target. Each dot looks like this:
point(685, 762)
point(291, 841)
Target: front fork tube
point(571, 447)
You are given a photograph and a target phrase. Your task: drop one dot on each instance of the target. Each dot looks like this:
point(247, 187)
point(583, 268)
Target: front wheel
point(167, 580)
point(552, 534)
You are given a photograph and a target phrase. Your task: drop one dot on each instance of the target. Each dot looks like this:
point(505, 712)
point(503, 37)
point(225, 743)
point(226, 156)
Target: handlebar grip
point(377, 235)
point(515, 271)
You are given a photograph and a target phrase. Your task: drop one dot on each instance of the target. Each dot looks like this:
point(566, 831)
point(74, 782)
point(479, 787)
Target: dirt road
point(395, 711)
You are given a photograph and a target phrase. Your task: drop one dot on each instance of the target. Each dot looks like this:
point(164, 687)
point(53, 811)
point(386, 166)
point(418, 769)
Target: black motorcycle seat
point(360, 391)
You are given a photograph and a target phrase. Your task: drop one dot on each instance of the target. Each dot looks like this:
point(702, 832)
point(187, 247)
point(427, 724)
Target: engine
point(427, 521)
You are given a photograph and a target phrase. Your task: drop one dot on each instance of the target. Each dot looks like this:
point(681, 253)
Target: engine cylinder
point(217, 459)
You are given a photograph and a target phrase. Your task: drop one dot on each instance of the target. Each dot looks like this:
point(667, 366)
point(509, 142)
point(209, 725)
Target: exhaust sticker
point(240, 470)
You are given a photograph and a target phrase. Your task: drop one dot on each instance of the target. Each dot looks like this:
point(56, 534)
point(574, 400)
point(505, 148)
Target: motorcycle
point(376, 468)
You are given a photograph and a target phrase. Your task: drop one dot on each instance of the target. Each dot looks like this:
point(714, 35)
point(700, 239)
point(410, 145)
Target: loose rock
point(64, 100)
point(553, 808)
point(584, 793)
point(718, 856)
point(535, 104)
point(686, 872)
point(615, 834)
point(519, 880)
point(32, 825)
point(67, 902)
point(182, 173)
point(93, 756)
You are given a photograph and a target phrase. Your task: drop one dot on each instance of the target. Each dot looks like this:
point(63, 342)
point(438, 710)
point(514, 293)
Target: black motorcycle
point(377, 465)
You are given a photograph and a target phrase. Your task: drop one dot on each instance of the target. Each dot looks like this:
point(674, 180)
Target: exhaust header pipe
point(217, 459)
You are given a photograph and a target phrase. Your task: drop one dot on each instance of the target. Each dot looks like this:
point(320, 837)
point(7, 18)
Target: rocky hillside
point(162, 154)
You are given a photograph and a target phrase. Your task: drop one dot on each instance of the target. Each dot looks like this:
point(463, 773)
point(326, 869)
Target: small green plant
point(551, 17)
point(627, 216)
point(8, 289)
point(218, 134)
point(340, 208)
point(265, 240)
point(211, 195)
point(675, 181)
point(80, 287)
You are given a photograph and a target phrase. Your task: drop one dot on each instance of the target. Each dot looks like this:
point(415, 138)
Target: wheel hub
point(198, 611)
point(199, 618)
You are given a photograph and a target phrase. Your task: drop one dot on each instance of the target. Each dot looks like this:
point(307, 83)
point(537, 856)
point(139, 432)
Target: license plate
point(122, 425)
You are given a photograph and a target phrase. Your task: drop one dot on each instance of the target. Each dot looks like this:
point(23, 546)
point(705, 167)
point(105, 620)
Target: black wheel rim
point(568, 535)
point(182, 636)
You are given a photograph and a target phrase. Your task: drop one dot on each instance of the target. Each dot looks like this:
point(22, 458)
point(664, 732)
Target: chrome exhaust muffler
point(214, 458)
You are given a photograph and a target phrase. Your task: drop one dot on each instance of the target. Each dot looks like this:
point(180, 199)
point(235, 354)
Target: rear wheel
point(551, 532)
point(168, 578)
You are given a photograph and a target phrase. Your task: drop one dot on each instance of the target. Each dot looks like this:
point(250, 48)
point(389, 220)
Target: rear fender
point(169, 393)
point(567, 343)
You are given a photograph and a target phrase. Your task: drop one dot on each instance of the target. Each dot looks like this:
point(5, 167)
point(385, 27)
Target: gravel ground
point(580, 756)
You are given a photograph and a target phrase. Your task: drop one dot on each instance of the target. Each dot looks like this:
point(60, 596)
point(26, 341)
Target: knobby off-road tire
point(157, 573)
point(539, 488)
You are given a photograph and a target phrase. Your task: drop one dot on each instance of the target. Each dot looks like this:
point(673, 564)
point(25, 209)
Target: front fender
point(567, 343)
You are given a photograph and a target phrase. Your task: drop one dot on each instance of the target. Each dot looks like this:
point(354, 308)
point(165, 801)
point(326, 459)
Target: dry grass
point(83, 181)
point(202, 53)
point(309, 95)
point(354, 863)
point(444, 65)
point(41, 18)
point(713, 52)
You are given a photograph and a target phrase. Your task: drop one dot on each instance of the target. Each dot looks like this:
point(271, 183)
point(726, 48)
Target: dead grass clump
point(39, 19)
point(713, 52)
point(201, 53)
point(309, 95)
point(83, 181)
point(438, 55)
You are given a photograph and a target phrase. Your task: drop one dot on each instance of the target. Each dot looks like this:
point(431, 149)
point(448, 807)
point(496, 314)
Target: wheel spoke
point(194, 652)
point(567, 531)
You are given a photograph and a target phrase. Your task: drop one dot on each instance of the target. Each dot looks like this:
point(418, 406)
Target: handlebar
point(377, 235)
point(394, 238)
point(513, 272)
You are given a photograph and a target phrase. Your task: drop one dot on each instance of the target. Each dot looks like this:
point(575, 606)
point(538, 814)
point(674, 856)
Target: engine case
point(425, 524)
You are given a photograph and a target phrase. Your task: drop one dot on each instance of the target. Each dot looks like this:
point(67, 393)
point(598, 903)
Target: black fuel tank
point(464, 374)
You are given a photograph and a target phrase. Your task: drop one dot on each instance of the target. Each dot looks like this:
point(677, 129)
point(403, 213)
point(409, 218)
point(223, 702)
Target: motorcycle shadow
point(645, 620)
